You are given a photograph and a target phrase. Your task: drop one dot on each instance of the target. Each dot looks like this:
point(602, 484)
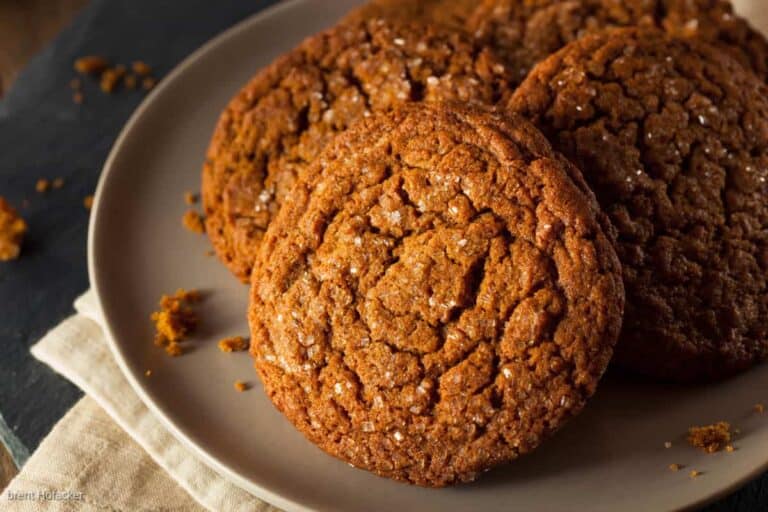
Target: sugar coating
point(285, 116)
point(528, 31)
point(463, 339)
point(672, 135)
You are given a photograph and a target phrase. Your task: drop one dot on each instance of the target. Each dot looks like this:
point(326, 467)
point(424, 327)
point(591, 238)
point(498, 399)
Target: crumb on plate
point(175, 320)
point(190, 198)
point(193, 222)
point(241, 386)
point(233, 344)
point(710, 438)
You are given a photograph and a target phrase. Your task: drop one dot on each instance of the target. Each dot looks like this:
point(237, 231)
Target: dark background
point(44, 134)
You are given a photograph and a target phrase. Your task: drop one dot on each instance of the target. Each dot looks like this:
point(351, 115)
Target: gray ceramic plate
point(610, 458)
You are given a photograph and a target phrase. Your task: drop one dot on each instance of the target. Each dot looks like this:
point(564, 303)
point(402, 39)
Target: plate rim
point(95, 226)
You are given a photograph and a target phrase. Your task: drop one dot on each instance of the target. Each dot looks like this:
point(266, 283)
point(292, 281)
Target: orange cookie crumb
point(241, 386)
point(109, 80)
point(42, 185)
point(675, 467)
point(130, 81)
point(759, 408)
point(148, 83)
point(730, 448)
point(12, 229)
point(141, 68)
point(710, 438)
point(193, 221)
point(91, 64)
point(57, 183)
point(190, 198)
point(88, 202)
point(175, 320)
point(694, 473)
point(233, 344)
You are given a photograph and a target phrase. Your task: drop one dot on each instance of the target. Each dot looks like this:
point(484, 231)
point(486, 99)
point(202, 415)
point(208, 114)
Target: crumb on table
point(241, 386)
point(175, 320)
point(57, 183)
point(190, 198)
point(42, 185)
point(12, 230)
point(233, 344)
point(694, 473)
point(88, 202)
point(675, 467)
point(710, 438)
point(141, 68)
point(91, 65)
point(193, 222)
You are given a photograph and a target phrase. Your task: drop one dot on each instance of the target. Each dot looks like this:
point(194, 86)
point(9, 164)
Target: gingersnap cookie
point(436, 296)
point(282, 119)
point(448, 13)
point(672, 135)
point(527, 31)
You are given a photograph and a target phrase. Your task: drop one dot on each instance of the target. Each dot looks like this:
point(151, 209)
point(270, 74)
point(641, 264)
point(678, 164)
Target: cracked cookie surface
point(527, 31)
point(436, 297)
point(284, 117)
point(672, 135)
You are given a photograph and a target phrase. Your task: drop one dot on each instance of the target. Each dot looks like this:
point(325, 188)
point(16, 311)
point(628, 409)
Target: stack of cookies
point(440, 208)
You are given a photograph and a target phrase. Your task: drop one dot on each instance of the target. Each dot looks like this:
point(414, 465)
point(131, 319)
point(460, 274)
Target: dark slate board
point(44, 134)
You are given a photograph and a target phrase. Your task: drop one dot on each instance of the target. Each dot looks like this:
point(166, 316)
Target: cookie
point(448, 13)
point(527, 31)
point(282, 119)
point(672, 135)
point(436, 296)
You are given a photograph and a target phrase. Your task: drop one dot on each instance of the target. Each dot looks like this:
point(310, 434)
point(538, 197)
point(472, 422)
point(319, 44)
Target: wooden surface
point(25, 27)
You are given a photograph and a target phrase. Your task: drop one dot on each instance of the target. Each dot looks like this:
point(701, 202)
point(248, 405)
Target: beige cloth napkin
point(109, 453)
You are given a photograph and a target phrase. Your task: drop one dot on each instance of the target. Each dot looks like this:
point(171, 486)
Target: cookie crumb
point(42, 185)
point(730, 448)
point(759, 408)
point(91, 65)
point(175, 320)
point(694, 473)
point(12, 230)
point(675, 467)
point(130, 82)
point(57, 183)
point(241, 386)
point(668, 444)
point(88, 202)
point(141, 68)
point(109, 80)
point(190, 198)
point(710, 438)
point(193, 222)
point(148, 83)
point(210, 252)
point(174, 349)
point(233, 344)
